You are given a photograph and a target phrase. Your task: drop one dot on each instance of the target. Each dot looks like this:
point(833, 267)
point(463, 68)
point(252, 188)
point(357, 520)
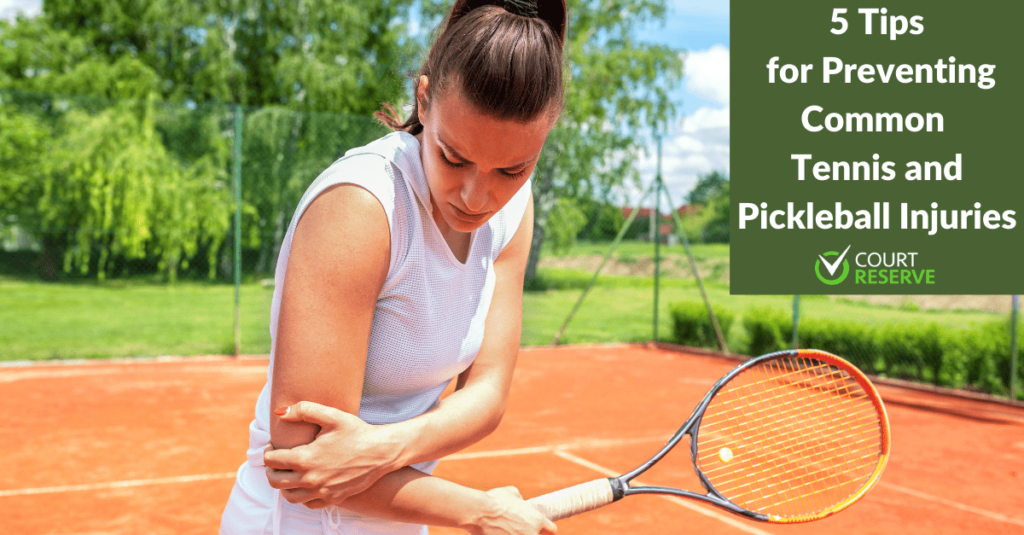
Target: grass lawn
point(117, 319)
point(636, 249)
point(127, 318)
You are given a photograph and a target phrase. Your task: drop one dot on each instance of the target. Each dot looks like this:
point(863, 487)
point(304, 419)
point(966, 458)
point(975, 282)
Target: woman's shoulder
point(370, 167)
point(369, 162)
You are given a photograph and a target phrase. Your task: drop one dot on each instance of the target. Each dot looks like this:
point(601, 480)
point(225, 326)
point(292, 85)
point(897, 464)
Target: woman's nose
point(475, 193)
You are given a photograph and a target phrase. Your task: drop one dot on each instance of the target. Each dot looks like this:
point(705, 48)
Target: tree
point(564, 222)
point(616, 98)
point(604, 219)
point(716, 230)
point(296, 60)
point(331, 55)
point(708, 186)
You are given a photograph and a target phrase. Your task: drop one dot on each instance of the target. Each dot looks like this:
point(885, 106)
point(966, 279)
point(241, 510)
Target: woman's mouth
point(467, 217)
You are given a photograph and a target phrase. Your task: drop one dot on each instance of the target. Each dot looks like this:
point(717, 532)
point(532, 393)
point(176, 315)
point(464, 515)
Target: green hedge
point(692, 326)
point(768, 330)
point(976, 359)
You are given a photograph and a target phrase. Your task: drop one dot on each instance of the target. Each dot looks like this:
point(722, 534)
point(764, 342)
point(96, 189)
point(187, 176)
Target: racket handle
point(575, 500)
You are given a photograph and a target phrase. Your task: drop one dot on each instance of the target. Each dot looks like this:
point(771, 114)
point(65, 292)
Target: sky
point(697, 144)
point(10, 8)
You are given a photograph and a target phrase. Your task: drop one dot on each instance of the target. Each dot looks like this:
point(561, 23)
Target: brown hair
point(505, 56)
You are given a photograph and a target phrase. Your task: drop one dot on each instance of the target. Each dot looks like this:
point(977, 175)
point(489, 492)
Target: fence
point(146, 228)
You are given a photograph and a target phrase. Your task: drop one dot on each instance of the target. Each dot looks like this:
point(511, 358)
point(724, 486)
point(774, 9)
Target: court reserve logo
point(831, 267)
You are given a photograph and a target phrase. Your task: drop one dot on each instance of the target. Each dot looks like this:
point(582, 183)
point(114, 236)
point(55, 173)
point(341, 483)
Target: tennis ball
point(725, 454)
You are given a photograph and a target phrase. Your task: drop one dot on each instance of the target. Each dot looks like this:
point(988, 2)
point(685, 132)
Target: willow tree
point(302, 65)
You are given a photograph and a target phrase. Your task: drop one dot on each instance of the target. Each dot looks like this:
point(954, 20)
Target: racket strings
point(778, 479)
point(803, 435)
point(775, 476)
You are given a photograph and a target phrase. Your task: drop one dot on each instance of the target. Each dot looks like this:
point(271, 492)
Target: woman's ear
point(422, 102)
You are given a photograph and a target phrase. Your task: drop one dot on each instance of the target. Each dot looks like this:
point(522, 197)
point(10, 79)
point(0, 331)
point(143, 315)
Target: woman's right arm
point(339, 259)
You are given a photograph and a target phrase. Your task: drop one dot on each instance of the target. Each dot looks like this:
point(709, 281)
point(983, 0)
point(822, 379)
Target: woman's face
point(474, 163)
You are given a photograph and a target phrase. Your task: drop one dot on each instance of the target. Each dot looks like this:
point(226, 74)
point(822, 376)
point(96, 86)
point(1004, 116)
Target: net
point(793, 438)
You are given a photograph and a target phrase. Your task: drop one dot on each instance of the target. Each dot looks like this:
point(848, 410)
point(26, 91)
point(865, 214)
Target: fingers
point(314, 413)
point(301, 496)
point(549, 528)
point(313, 499)
point(293, 459)
point(284, 479)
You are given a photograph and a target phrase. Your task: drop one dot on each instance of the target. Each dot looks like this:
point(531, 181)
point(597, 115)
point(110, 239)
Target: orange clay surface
point(103, 447)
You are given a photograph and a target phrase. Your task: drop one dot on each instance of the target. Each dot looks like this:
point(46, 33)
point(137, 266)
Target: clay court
point(151, 447)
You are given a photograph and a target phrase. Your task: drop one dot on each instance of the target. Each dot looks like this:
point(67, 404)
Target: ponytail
point(505, 57)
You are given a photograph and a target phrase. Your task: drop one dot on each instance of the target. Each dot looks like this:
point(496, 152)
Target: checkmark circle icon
point(833, 282)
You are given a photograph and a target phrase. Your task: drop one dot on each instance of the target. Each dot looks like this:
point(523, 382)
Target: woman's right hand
point(509, 514)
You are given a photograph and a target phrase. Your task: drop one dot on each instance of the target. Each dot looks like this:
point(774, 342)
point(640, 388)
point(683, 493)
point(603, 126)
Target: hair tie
point(524, 8)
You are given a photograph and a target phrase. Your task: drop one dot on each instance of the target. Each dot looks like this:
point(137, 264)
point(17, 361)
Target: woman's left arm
point(463, 418)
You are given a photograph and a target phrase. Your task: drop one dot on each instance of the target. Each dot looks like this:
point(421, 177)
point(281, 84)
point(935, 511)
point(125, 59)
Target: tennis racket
point(787, 437)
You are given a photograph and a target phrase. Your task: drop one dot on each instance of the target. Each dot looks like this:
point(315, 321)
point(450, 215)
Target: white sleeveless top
point(428, 323)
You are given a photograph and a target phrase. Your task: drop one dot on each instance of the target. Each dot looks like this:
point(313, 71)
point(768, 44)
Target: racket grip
point(575, 500)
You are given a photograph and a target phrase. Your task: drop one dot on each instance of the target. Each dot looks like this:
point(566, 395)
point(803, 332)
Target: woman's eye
point(450, 163)
point(518, 174)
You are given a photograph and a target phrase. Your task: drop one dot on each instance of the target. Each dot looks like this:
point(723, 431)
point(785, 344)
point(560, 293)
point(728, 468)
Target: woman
point(401, 271)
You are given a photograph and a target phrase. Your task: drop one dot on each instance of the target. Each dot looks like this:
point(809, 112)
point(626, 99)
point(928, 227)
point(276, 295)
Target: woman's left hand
point(347, 457)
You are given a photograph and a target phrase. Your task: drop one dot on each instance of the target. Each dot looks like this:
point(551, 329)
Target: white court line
point(558, 449)
point(951, 503)
point(674, 499)
point(117, 484)
point(85, 372)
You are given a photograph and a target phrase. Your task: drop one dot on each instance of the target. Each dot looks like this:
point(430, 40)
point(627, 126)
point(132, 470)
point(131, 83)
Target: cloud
point(9, 9)
point(702, 146)
point(707, 74)
point(699, 147)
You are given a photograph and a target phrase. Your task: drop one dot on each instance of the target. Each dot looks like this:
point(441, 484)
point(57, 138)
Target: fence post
point(238, 228)
point(656, 217)
point(1014, 319)
point(796, 321)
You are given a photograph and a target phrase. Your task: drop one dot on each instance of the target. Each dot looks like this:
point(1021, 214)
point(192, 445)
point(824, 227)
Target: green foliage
point(564, 222)
point(708, 187)
point(977, 358)
point(911, 350)
point(112, 191)
point(694, 223)
point(23, 141)
point(65, 66)
point(768, 329)
point(692, 326)
point(616, 98)
point(340, 56)
point(717, 228)
point(853, 341)
point(604, 219)
point(283, 151)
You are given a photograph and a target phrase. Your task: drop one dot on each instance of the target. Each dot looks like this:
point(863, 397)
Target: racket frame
point(621, 485)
